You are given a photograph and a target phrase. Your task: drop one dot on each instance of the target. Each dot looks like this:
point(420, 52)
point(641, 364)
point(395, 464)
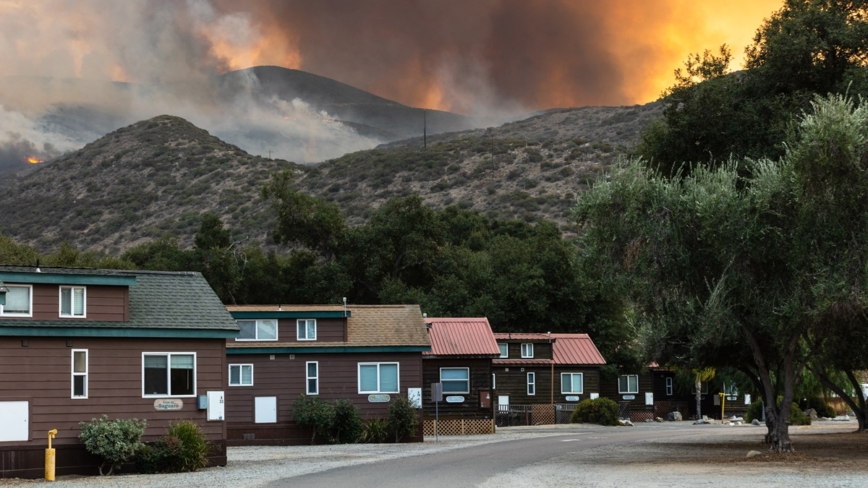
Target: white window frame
point(72, 314)
point(462, 392)
point(504, 353)
point(241, 367)
point(379, 388)
point(307, 377)
point(531, 384)
point(563, 392)
point(669, 386)
point(493, 381)
point(3, 312)
point(298, 329)
point(73, 374)
point(169, 374)
point(527, 350)
point(628, 391)
point(257, 321)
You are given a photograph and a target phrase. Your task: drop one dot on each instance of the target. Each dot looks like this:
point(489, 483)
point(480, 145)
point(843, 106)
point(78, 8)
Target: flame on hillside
point(33, 160)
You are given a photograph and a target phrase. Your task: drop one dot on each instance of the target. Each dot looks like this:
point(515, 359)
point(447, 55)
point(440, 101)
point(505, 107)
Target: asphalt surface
point(474, 465)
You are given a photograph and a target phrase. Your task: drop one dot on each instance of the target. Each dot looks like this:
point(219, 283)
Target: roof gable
point(566, 348)
point(461, 337)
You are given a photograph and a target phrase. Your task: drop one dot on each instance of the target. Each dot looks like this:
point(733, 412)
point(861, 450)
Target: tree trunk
point(698, 400)
point(859, 409)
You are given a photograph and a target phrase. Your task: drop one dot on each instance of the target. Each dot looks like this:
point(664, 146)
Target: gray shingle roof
point(158, 300)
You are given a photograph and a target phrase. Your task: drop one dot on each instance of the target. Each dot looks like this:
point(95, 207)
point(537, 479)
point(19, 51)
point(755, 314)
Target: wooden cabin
point(535, 369)
point(368, 354)
point(460, 360)
point(79, 343)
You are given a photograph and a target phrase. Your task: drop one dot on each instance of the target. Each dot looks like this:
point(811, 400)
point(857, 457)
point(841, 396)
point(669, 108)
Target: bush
point(375, 431)
point(754, 411)
point(403, 418)
point(309, 412)
point(114, 441)
point(821, 407)
point(797, 417)
point(182, 449)
point(347, 425)
point(598, 411)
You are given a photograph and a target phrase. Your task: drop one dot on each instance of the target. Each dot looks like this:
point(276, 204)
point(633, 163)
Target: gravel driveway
point(681, 456)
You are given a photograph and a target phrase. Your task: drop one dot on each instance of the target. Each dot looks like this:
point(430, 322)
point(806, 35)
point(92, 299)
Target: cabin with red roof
point(551, 369)
point(460, 359)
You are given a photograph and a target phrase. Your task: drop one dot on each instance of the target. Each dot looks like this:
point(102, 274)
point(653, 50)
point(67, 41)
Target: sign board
point(629, 397)
point(379, 398)
point(415, 397)
point(436, 392)
point(747, 399)
point(168, 404)
point(731, 398)
point(454, 399)
point(649, 399)
point(572, 398)
point(594, 396)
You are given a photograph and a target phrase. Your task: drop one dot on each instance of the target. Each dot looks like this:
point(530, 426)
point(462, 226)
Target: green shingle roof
point(160, 302)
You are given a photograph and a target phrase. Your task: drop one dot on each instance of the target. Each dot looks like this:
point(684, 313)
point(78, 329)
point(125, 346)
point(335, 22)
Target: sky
point(487, 58)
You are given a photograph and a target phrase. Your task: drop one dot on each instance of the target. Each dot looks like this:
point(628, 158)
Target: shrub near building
point(601, 411)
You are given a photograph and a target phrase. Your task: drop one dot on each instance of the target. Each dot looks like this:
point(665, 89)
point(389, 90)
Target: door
point(266, 410)
point(14, 421)
point(503, 402)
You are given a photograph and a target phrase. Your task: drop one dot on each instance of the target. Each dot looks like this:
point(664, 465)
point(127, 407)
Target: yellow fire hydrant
point(49, 457)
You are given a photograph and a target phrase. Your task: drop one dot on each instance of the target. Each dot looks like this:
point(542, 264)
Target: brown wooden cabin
point(634, 393)
point(367, 354)
point(460, 359)
point(79, 343)
point(523, 373)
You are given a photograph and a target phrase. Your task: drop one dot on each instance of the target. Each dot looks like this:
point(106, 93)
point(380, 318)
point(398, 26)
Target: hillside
point(157, 176)
point(135, 184)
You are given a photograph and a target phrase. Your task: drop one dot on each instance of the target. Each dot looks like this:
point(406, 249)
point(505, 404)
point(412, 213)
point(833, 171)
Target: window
point(531, 383)
point(628, 384)
point(19, 301)
point(527, 350)
point(493, 381)
point(455, 380)
point(312, 377)
point(378, 378)
point(504, 350)
point(168, 374)
point(240, 375)
point(257, 330)
point(72, 301)
point(572, 383)
point(79, 373)
point(306, 329)
point(669, 386)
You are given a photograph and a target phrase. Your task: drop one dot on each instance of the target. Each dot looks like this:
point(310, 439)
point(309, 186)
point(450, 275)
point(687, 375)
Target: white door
point(14, 421)
point(266, 410)
point(503, 402)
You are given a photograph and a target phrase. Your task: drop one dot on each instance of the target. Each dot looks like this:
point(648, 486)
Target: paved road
point(473, 465)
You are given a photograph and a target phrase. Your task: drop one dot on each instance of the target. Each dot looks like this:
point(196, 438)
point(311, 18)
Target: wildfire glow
point(35, 161)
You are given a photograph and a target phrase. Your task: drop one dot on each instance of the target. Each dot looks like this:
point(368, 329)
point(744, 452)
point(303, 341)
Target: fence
point(459, 426)
point(541, 414)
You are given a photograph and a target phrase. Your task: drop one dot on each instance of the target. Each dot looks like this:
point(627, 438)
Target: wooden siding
point(514, 383)
point(41, 374)
point(480, 379)
point(103, 304)
point(327, 330)
point(609, 389)
point(659, 389)
point(284, 377)
point(541, 350)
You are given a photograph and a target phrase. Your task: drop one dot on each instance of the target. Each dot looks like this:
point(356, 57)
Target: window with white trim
point(572, 383)
point(168, 374)
point(19, 301)
point(306, 329)
point(527, 350)
point(493, 381)
point(455, 380)
point(312, 377)
point(628, 383)
point(73, 301)
point(669, 388)
point(378, 378)
point(79, 373)
point(504, 350)
point(257, 330)
point(531, 383)
point(240, 375)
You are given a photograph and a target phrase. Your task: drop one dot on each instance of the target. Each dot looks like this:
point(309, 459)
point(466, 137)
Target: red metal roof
point(501, 362)
point(567, 348)
point(461, 337)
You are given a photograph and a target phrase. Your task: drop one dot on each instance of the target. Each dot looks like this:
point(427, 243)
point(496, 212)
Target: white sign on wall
point(415, 397)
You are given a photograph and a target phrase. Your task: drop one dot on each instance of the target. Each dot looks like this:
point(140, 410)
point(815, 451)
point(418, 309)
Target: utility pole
point(424, 129)
point(269, 154)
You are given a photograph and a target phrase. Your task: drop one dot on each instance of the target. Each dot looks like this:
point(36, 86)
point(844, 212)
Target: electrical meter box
point(216, 405)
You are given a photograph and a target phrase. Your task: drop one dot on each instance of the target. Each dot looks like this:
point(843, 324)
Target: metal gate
point(624, 410)
point(513, 415)
point(563, 412)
